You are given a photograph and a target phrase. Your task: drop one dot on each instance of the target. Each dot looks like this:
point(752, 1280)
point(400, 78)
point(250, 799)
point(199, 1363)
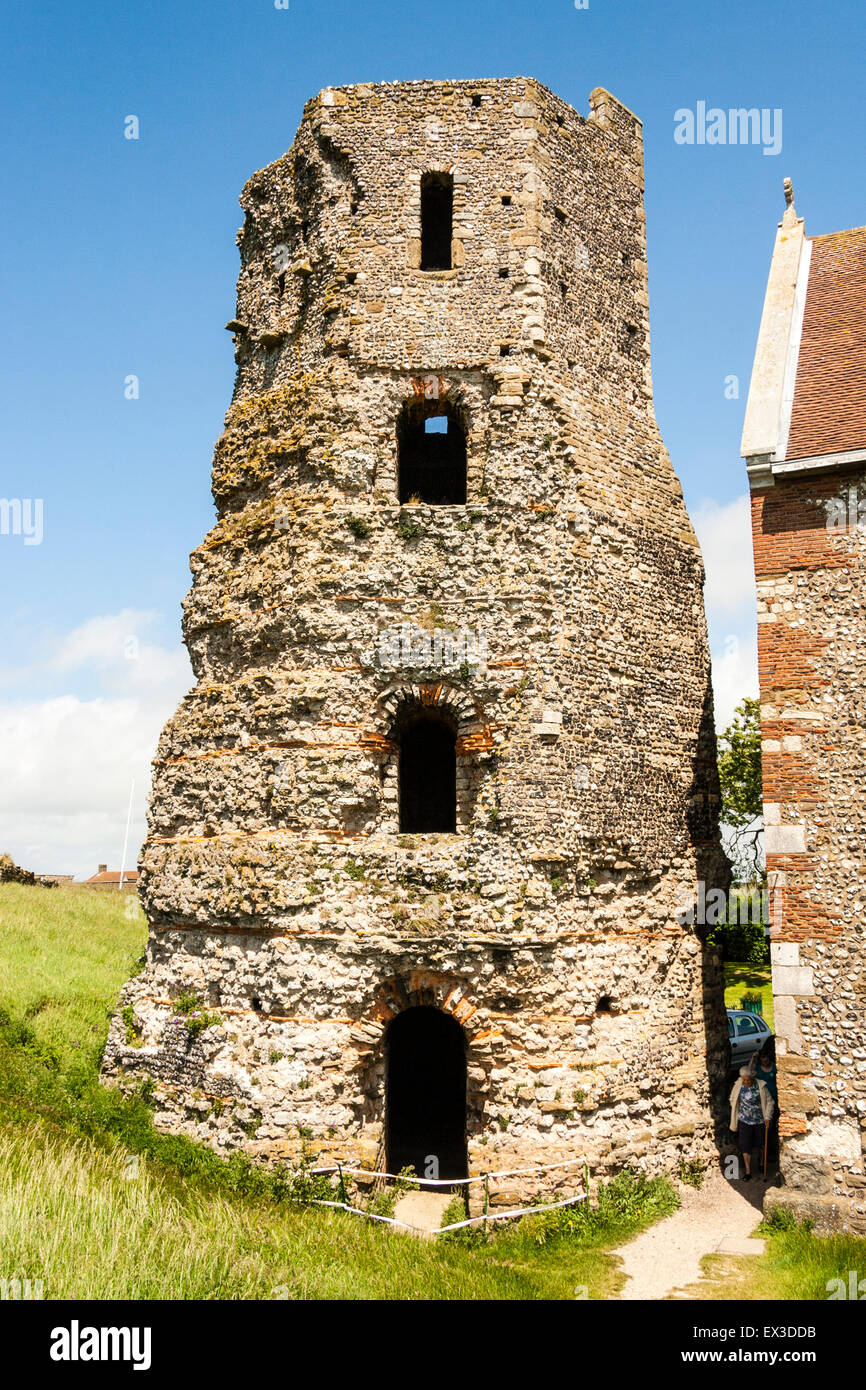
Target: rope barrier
point(457, 1225)
point(453, 1182)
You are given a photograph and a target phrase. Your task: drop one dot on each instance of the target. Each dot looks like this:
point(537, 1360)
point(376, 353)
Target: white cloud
point(725, 534)
point(735, 675)
point(69, 761)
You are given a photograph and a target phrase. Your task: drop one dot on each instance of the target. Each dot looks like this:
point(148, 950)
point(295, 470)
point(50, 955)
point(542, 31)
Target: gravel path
point(718, 1217)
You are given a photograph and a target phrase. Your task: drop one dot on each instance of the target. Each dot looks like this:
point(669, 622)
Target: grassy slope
point(189, 1225)
point(753, 978)
point(64, 954)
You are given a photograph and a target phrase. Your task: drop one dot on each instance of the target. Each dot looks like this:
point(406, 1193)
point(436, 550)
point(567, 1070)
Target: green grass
point(795, 1265)
point(179, 1222)
point(64, 954)
point(182, 1222)
point(71, 1216)
point(741, 979)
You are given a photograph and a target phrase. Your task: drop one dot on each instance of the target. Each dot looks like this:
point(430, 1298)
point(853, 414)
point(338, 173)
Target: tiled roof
point(113, 876)
point(829, 412)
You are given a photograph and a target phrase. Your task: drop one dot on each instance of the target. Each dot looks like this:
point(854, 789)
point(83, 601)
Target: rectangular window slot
point(437, 216)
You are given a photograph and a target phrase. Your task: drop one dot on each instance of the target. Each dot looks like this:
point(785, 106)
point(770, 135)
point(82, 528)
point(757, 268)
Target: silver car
point(747, 1033)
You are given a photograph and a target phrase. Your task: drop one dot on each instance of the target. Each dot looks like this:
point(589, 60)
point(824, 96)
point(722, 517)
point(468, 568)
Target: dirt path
point(718, 1217)
point(422, 1212)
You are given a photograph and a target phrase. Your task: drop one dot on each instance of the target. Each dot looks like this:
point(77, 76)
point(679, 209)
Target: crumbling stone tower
point(420, 833)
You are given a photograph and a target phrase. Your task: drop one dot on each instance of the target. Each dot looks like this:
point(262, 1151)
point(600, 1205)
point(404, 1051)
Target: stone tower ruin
point(421, 835)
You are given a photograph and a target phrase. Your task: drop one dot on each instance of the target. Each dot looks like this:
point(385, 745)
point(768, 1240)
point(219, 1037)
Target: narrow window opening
point(603, 1005)
point(437, 216)
point(476, 99)
point(431, 457)
point(504, 350)
point(559, 214)
point(506, 200)
point(503, 273)
point(351, 277)
point(428, 777)
point(281, 283)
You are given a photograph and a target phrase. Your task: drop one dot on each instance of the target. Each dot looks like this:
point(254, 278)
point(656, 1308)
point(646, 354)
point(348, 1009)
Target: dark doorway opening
point(428, 777)
point(425, 1094)
point(437, 216)
point(431, 458)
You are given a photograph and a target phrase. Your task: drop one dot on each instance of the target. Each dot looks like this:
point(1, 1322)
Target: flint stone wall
point(809, 543)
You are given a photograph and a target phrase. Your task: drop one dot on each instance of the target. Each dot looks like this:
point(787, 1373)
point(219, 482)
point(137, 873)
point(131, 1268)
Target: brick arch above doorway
point(414, 989)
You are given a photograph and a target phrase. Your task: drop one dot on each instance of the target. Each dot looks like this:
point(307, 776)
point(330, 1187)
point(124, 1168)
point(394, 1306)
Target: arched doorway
point(428, 776)
point(425, 1094)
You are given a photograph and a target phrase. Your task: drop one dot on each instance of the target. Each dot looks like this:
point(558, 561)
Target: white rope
point(456, 1226)
point(515, 1211)
point(452, 1182)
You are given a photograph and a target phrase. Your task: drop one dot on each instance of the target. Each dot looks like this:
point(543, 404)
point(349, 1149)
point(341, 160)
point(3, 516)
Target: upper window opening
point(431, 455)
point(476, 99)
point(428, 777)
point(506, 200)
point(437, 216)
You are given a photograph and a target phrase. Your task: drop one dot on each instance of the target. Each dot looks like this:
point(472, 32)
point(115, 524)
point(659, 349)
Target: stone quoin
point(432, 904)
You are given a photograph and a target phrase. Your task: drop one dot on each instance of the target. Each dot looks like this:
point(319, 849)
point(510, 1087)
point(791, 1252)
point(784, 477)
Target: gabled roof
point(807, 398)
point(829, 410)
point(113, 876)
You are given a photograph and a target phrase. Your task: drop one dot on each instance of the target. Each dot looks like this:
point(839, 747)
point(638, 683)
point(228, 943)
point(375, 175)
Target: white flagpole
point(126, 836)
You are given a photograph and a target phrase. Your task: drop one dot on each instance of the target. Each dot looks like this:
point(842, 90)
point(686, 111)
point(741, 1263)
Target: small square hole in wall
point(559, 214)
point(504, 350)
point(351, 277)
point(504, 272)
point(506, 200)
point(560, 120)
point(476, 99)
point(603, 1005)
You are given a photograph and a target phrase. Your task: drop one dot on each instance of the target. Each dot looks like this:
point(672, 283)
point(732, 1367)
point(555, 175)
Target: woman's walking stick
point(766, 1136)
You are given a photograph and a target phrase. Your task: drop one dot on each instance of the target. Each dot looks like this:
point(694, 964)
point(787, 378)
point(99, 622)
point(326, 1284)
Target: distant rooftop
point(113, 876)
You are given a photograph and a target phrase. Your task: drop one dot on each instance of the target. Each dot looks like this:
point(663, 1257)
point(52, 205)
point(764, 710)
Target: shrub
point(627, 1203)
point(741, 941)
point(691, 1171)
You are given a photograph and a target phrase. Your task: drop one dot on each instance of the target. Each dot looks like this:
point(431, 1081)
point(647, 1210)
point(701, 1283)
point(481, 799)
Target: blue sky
point(119, 259)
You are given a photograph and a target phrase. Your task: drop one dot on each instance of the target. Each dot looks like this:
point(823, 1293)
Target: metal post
point(126, 837)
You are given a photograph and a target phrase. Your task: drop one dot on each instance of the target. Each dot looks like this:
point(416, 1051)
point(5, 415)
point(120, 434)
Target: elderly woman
point(751, 1109)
